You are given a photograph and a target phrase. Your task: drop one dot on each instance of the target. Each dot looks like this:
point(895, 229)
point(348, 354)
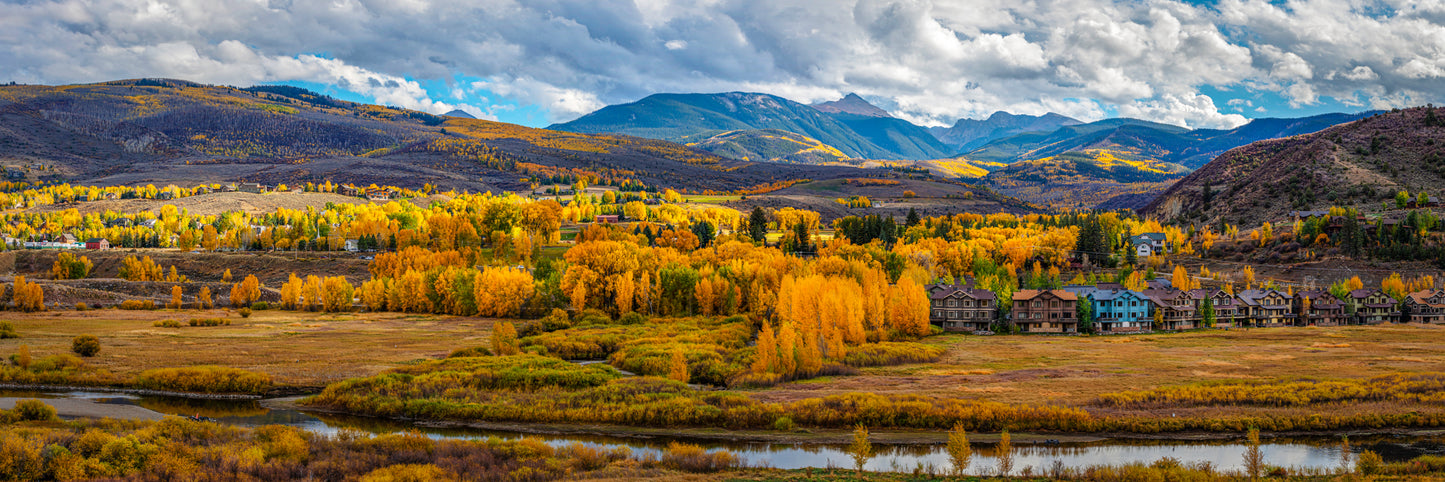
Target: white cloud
point(935, 60)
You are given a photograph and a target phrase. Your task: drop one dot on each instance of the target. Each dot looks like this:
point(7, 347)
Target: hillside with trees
point(1363, 164)
point(174, 131)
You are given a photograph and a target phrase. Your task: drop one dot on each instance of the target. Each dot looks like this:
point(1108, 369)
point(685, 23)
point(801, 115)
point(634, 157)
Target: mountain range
point(173, 131)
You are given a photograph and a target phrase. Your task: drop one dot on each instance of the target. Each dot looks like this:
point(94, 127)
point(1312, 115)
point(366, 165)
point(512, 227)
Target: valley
point(733, 280)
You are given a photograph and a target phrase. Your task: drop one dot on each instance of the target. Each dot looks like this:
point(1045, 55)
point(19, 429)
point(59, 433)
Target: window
point(938, 314)
point(1054, 304)
point(952, 303)
point(1037, 304)
point(967, 304)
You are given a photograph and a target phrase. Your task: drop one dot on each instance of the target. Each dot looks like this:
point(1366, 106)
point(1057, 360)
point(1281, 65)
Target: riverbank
point(841, 436)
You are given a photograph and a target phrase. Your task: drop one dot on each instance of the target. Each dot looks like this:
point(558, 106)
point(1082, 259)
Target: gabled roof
point(1420, 297)
point(1368, 292)
point(1202, 293)
point(1102, 295)
point(1161, 297)
point(1149, 236)
point(940, 291)
point(1025, 295)
point(1320, 299)
point(1252, 297)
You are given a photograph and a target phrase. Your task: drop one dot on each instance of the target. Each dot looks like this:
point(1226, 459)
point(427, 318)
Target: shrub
point(85, 345)
point(81, 306)
point(891, 353)
point(466, 352)
point(245, 312)
point(55, 363)
point(167, 324)
point(783, 424)
point(631, 318)
point(31, 409)
point(209, 321)
point(7, 331)
point(1369, 463)
point(137, 305)
point(556, 320)
point(692, 458)
point(592, 317)
point(260, 306)
point(204, 379)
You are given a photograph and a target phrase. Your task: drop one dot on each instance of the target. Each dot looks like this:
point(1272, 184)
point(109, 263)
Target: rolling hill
point(1083, 179)
point(172, 131)
point(691, 118)
point(1160, 142)
point(770, 145)
point(1361, 163)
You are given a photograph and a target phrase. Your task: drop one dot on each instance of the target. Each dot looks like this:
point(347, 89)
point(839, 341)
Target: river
point(1311, 453)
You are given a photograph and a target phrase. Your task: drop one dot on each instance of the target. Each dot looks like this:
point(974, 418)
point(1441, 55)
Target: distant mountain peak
point(852, 104)
point(459, 113)
point(968, 134)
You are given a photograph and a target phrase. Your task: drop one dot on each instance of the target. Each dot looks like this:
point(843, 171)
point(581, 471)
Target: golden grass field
point(313, 349)
point(295, 348)
point(1076, 370)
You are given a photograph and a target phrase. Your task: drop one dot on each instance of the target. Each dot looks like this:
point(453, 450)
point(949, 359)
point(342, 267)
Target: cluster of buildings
point(1116, 309)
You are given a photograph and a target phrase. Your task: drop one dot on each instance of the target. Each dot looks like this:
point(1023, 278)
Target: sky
point(1210, 64)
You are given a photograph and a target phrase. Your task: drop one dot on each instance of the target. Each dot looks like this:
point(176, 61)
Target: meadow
point(301, 350)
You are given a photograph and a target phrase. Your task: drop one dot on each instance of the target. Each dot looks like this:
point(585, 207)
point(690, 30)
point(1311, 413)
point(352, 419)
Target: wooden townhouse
point(1226, 306)
point(1177, 307)
point(1426, 306)
point(1119, 311)
point(1045, 311)
point(1265, 308)
point(961, 308)
point(1317, 308)
point(1374, 307)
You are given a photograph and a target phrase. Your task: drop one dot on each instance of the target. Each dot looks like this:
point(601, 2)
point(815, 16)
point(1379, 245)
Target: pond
point(1310, 453)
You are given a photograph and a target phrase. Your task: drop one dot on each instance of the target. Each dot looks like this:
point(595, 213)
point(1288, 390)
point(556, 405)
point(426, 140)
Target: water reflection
point(1317, 453)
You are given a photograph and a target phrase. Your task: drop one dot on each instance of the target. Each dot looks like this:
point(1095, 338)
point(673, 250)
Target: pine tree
point(758, 225)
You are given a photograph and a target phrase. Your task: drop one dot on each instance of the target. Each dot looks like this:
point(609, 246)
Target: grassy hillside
point(1361, 163)
point(770, 145)
point(171, 131)
point(1082, 179)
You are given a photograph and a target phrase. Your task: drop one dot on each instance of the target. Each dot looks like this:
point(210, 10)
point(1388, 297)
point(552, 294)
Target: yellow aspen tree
point(704, 294)
point(226, 276)
point(787, 350)
point(504, 339)
point(677, 367)
point(203, 299)
point(176, 300)
point(291, 293)
point(311, 292)
point(626, 291)
point(765, 360)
